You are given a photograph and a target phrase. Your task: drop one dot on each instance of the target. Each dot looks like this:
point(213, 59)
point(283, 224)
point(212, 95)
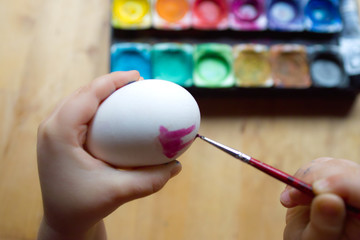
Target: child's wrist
point(46, 232)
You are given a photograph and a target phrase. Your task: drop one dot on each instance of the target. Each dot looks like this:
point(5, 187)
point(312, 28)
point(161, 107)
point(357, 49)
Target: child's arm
point(79, 190)
point(335, 182)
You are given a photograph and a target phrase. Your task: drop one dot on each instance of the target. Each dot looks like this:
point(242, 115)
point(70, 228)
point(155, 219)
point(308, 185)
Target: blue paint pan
point(131, 56)
point(323, 16)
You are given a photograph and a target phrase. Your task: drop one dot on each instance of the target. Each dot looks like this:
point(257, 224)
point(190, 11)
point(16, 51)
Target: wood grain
point(49, 48)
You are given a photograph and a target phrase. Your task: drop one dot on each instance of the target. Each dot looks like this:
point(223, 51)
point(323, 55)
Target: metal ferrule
point(243, 157)
point(235, 153)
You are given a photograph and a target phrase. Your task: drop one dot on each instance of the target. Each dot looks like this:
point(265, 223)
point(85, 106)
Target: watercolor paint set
point(232, 46)
point(214, 65)
point(239, 15)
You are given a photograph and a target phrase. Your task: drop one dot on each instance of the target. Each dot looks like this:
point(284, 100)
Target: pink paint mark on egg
point(172, 142)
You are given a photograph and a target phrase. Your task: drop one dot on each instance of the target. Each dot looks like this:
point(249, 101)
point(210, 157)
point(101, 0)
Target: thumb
point(141, 182)
point(327, 218)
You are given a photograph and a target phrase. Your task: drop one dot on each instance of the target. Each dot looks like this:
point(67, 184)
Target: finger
point(309, 173)
point(322, 160)
point(80, 107)
point(141, 182)
point(107, 84)
point(296, 220)
point(327, 218)
point(77, 110)
point(313, 170)
point(345, 185)
point(292, 197)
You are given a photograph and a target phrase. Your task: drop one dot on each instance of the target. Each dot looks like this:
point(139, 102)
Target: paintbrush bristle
point(199, 136)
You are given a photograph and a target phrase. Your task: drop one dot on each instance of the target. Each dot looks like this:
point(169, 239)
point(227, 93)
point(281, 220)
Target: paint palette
point(213, 65)
point(320, 16)
point(218, 48)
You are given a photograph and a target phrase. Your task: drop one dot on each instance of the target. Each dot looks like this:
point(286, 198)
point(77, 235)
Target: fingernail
point(173, 162)
point(176, 169)
point(131, 82)
point(321, 186)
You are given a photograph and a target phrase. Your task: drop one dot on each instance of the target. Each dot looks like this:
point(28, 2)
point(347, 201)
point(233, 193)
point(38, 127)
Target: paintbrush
point(273, 172)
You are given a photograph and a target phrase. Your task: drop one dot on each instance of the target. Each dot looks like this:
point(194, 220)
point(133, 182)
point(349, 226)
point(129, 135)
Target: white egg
point(144, 123)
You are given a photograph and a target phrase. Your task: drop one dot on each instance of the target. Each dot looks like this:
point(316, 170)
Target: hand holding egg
point(145, 123)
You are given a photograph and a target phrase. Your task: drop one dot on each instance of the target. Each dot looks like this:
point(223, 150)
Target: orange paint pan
point(171, 14)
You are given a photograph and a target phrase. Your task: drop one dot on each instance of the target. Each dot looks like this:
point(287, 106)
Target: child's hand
point(79, 190)
point(325, 217)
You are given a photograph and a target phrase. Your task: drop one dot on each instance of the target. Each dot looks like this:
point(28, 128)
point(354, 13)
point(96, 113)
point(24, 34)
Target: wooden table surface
point(49, 48)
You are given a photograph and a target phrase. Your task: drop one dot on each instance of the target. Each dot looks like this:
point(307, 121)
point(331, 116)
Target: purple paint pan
point(248, 15)
point(285, 15)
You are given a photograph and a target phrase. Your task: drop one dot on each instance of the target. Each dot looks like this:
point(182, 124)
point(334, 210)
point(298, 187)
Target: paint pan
point(252, 66)
point(247, 15)
point(213, 65)
point(326, 67)
point(349, 11)
point(210, 14)
point(131, 56)
point(323, 16)
point(349, 40)
point(289, 66)
point(171, 14)
point(350, 50)
point(285, 15)
point(173, 62)
point(131, 14)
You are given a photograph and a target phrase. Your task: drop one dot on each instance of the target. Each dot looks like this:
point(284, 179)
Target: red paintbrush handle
point(284, 177)
point(273, 172)
point(292, 181)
